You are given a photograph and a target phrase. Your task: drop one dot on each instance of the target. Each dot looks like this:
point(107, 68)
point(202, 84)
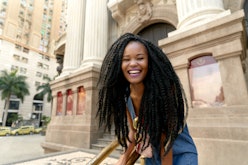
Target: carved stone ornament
point(144, 10)
point(60, 61)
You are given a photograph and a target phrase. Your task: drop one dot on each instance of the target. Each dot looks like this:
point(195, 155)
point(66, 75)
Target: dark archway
point(156, 32)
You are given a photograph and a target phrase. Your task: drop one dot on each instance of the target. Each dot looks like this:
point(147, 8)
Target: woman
point(140, 91)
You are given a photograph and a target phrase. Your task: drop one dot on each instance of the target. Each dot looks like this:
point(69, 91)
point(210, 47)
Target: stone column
point(74, 36)
point(96, 33)
point(194, 11)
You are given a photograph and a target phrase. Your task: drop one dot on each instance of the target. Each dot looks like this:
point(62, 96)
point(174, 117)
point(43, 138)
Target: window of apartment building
point(1, 22)
point(37, 106)
point(40, 56)
point(26, 50)
point(46, 58)
point(14, 68)
point(38, 74)
point(16, 57)
point(37, 83)
point(14, 104)
point(24, 60)
point(1, 30)
point(3, 12)
point(205, 82)
point(45, 66)
point(39, 65)
point(19, 47)
point(45, 75)
point(23, 70)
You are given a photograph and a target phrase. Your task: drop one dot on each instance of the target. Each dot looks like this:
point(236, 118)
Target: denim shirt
point(184, 149)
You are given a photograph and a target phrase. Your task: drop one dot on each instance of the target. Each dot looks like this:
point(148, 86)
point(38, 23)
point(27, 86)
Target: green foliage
point(45, 120)
point(14, 117)
point(45, 89)
point(13, 84)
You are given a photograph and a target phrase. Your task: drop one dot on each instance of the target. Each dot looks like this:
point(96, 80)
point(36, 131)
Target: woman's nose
point(133, 62)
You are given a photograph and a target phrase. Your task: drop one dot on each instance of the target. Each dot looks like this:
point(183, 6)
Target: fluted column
point(74, 36)
point(193, 11)
point(96, 32)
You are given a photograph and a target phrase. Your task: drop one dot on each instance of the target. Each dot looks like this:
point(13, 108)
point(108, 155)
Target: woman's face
point(135, 62)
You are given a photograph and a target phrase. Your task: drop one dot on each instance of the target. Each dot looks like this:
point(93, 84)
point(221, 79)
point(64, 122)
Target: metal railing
point(134, 156)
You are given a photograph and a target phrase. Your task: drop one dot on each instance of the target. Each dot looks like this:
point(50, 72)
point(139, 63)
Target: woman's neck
point(136, 93)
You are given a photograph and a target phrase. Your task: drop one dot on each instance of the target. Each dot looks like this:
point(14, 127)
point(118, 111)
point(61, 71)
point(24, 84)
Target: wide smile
point(134, 73)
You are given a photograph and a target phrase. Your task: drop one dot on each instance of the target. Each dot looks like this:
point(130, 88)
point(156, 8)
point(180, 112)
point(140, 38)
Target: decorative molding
point(144, 12)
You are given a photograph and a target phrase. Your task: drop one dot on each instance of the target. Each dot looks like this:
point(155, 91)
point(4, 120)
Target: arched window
point(205, 82)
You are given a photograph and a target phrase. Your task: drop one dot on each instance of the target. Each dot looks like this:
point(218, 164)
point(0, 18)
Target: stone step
point(109, 135)
point(219, 121)
point(100, 147)
point(230, 111)
point(216, 132)
point(104, 141)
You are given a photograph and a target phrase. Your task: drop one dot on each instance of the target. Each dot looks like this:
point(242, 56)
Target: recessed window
point(14, 68)
point(16, 57)
point(24, 60)
point(69, 102)
point(23, 70)
point(45, 75)
point(205, 82)
point(38, 74)
point(18, 47)
point(81, 101)
point(26, 50)
point(39, 65)
point(37, 83)
point(45, 66)
point(14, 105)
point(59, 103)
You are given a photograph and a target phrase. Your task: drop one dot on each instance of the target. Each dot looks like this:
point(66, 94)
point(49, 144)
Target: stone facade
point(215, 28)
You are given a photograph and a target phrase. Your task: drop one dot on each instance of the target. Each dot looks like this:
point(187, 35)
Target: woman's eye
point(125, 59)
point(140, 58)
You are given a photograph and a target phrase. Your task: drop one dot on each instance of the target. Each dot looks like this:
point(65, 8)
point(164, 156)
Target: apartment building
point(28, 31)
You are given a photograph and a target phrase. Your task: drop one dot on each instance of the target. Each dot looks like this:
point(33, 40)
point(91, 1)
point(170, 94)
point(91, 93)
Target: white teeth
point(134, 71)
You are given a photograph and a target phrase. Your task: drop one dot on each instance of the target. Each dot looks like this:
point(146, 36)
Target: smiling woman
point(140, 92)
point(135, 62)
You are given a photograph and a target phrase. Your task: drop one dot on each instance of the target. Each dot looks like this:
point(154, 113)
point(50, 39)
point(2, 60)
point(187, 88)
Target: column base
point(91, 63)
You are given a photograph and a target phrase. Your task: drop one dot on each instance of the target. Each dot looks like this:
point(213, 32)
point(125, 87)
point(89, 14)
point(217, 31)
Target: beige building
point(206, 43)
point(28, 30)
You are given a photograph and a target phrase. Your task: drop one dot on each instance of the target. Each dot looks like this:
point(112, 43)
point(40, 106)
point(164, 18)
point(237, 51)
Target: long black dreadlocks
point(163, 108)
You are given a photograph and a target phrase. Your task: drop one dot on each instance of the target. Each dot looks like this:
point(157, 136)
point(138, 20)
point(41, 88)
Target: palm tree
point(45, 89)
point(12, 84)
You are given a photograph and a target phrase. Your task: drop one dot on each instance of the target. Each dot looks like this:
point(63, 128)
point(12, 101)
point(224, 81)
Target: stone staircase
point(104, 141)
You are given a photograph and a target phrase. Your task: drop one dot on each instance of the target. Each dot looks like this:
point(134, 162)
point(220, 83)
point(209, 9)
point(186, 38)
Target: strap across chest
point(132, 112)
point(131, 108)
